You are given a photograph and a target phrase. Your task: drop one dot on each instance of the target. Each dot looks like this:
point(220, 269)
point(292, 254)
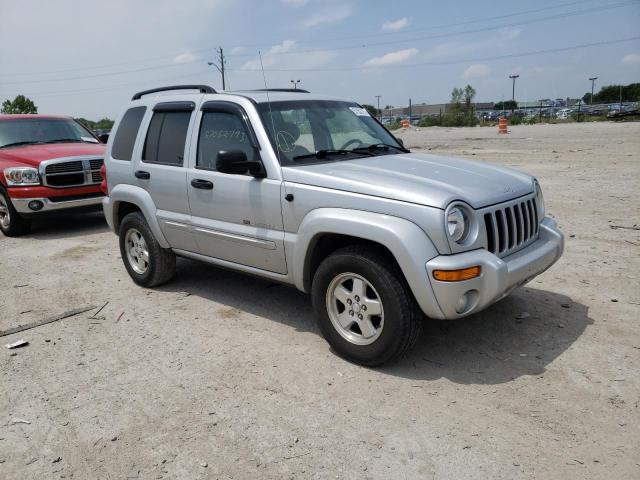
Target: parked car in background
point(313, 192)
point(47, 163)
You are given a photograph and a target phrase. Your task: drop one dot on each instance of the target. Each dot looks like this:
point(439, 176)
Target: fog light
point(467, 301)
point(36, 205)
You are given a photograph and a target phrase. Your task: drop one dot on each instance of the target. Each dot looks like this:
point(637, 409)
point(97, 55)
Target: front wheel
point(11, 223)
point(364, 306)
point(147, 263)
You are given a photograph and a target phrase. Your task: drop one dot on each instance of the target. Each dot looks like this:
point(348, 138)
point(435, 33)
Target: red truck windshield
point(28, 131)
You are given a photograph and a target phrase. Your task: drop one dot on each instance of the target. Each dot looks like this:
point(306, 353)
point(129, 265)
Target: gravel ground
point(219, 375)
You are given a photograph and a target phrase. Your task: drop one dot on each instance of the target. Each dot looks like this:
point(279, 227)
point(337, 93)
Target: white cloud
point(237, 50)
point(186, 57)
point(395, 25)
point(332, 16)
point(283, 47)
point(295, 3)
point(477, 71)
point(631, 59)
point(391, 58)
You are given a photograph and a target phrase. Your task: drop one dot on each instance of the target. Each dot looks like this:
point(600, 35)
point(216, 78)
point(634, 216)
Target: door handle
point(142, 175)
point(202, 184)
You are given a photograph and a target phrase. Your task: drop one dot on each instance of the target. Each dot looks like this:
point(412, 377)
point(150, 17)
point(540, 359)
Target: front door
point(236, 218)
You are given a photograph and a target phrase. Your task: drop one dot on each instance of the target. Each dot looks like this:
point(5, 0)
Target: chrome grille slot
point(511, 226)
point(64, 167)
point(71, 173)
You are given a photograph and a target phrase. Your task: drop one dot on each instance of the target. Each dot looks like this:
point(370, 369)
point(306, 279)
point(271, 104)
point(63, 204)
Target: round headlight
point(539, 201)
point(457, 224)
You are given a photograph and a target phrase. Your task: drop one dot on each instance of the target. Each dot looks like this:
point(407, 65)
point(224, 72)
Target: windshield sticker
point(286, 142)
point(361, 112)
point(89, 139)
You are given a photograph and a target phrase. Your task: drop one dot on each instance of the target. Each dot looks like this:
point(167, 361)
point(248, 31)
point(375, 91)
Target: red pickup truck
point(47, 163)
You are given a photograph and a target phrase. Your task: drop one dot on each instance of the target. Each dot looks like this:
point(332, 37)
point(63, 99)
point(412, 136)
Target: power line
point(451, 62)
point(346, 47)
point(414, 65)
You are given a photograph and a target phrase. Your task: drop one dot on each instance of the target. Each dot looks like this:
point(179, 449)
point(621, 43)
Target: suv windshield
point(323, 131)
point(28, 131)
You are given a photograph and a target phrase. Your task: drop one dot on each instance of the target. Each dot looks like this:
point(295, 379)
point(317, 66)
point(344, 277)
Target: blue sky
point(87, 58)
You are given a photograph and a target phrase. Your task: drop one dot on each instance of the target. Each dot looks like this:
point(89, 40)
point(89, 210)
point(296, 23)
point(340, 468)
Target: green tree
point(611, 93)
point(468, 94)
point(506, 105)
point(373, 111)
point(20, 104)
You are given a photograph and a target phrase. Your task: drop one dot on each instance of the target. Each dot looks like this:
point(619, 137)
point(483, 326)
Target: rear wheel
point(147, 263)
point(364, 306)
point(11, 223)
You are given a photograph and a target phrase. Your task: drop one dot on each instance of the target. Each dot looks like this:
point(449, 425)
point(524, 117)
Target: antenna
point(273, 124)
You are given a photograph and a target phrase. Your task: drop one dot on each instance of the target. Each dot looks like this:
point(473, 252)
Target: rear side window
point(166, 138)
point(221, 131)
point(127, 132)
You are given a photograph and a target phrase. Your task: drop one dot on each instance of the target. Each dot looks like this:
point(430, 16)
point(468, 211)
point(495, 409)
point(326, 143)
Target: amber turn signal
point(457, 275)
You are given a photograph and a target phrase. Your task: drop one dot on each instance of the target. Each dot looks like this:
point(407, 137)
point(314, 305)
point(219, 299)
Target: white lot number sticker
point(361, 112)
point(88, 139)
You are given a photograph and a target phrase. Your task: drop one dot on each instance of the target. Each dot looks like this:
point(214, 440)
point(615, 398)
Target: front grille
point(72, 173)
point(511, 226)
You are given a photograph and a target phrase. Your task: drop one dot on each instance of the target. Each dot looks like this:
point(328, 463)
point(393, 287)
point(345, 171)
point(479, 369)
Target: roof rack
point(292, 90)
point(202, 88)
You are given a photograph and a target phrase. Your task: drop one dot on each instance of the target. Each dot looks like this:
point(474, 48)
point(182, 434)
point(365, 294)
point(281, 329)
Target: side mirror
point(235, 162)
point(103, 137)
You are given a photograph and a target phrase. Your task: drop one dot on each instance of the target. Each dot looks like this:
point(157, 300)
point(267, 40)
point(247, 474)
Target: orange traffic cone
point(502, 125)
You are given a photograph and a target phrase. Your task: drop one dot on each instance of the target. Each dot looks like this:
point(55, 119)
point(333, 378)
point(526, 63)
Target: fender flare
point(408, 243)
point(140, 198)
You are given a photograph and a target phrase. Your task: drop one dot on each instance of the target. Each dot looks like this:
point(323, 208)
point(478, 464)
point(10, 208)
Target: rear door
point(237, 218)
point(162, 170)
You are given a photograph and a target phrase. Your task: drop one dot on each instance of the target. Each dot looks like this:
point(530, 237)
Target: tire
point(11, 223)
point(394, 331)
point(160, 264)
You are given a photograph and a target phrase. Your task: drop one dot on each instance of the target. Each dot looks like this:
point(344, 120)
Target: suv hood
point(33, 155)
point(424, 179)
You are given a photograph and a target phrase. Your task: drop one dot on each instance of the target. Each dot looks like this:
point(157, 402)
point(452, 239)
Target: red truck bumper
point(28, 200)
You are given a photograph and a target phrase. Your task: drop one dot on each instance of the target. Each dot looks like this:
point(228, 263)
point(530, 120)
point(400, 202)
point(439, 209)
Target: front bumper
point(49, 204)
point(499, 275)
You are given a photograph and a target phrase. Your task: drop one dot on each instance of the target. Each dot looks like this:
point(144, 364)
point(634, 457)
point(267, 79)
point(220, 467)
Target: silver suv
point(314, 192)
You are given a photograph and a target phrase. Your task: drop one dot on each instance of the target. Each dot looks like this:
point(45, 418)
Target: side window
point(221, 131)
point(166, 138)
point(127, 132)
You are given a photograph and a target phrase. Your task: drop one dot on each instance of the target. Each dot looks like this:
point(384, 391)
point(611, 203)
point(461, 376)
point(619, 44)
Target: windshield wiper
point(16, 144)
point(381, 146)
point(69, 140)
point(323, 153)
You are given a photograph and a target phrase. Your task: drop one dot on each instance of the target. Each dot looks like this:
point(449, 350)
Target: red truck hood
point(33, 155)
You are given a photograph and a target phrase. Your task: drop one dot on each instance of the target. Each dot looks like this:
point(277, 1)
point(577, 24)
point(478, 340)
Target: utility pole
point(295, 84)
point(513, 91)
point(540, 113)
point(409, 111)
point(593, 81)
point(620, 98)
point(220, 66)
point(379, 112)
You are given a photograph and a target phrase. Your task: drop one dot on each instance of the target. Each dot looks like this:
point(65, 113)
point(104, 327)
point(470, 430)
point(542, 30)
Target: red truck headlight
point(21, 176)
point(103, 174)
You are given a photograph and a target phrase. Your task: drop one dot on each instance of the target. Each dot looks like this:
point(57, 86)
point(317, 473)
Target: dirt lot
point(218, 375)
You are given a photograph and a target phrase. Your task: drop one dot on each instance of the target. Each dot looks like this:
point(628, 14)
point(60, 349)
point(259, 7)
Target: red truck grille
point(72, 173)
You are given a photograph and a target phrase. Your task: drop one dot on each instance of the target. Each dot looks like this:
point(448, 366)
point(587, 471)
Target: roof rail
point(292, 90)
point(202, 88)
